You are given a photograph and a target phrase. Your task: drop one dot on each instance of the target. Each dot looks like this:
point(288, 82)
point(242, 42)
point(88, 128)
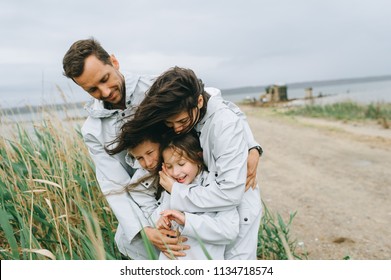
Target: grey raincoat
point(225, 143)
point(112, 172)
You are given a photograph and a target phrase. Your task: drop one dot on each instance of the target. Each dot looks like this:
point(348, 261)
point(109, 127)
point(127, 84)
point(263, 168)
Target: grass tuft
point(347, 111)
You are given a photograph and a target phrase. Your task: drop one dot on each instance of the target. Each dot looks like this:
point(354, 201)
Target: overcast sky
point(228, 43)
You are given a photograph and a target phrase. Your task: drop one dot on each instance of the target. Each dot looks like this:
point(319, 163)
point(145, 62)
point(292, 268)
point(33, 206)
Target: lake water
point(366, 92)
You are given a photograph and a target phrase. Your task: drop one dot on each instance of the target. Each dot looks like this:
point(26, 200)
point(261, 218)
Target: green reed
point(51, 206)
point(49, 199)
point(346, 111)
point(274, 238)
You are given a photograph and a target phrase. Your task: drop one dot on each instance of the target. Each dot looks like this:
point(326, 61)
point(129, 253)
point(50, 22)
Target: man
point(115, 97)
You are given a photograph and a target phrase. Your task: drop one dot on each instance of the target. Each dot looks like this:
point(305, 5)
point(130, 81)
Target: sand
point(336, 176)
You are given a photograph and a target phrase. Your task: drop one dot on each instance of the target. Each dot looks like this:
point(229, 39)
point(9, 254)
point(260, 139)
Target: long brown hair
point(129, 138)
point(186, 145)
point(175, 91)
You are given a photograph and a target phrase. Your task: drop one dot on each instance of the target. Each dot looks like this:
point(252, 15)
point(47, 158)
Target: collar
point(215, 103)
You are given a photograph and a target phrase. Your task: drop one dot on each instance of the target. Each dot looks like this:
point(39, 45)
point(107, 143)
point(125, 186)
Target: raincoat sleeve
point(219, 229)
point(226, 147)
point(112, 177)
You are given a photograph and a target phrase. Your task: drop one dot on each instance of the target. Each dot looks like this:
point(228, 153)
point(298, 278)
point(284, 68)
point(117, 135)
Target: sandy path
point(336, 176)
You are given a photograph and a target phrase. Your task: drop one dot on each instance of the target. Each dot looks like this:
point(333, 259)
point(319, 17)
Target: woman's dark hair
point(129, 140)
point(175, 91)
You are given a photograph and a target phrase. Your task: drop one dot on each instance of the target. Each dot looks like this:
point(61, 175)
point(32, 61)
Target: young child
point(181, 159)
point(207, 233)
point(143, 190)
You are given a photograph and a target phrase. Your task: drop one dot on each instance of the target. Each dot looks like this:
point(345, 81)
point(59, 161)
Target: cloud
point(228, 43)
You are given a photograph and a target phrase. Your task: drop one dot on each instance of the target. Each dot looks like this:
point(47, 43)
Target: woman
point(178, 99)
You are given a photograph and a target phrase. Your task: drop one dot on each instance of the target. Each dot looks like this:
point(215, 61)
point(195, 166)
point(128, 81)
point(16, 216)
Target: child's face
point(179, 167)
point(147, 154)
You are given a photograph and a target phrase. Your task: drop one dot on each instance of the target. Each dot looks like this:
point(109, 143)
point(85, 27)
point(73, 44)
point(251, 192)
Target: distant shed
point(276, 93)
point(308, 93)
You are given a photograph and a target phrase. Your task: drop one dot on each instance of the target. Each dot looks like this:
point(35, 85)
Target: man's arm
point(112, 178)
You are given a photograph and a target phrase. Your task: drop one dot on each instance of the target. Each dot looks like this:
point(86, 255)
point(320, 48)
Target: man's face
point(102, 81)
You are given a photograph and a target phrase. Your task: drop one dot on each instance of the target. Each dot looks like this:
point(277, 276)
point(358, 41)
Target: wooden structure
point(275, 93)
point(308, 93)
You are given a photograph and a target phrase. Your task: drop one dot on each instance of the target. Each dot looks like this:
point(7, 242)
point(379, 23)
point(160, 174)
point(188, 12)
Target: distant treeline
point(309, 84)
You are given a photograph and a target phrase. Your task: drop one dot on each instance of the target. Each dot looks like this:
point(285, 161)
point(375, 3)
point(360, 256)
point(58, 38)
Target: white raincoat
point(225, 143)
point(112, 172)
point(215, 230)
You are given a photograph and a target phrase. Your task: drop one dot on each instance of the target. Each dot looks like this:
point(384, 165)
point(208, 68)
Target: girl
point(208, 233)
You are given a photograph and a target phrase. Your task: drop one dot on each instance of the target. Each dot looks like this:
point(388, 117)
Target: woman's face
point(179, 167)
point(181, 122)
point(147, 154)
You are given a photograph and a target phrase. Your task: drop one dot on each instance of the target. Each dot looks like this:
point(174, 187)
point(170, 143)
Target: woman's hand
point(252, 165)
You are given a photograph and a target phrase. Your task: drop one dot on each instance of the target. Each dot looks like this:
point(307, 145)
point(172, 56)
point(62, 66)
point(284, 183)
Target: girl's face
point(179, 167)
point(147, 154)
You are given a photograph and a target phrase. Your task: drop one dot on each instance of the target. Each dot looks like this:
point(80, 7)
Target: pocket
point(250, 207)
point(245, 216)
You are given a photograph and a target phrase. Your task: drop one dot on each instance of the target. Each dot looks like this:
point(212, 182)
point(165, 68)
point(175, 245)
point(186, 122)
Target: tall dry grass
point(51, 206)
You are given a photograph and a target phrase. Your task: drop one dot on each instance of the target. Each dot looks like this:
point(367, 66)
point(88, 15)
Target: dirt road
point(336, 176)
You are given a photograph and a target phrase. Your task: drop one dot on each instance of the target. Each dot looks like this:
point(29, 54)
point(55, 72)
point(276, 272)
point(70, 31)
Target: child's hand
point(166, 181)
point(163, 223)
point(175, 215)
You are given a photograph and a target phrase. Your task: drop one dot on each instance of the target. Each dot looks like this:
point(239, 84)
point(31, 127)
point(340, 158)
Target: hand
point(167, 241)
point(175, 215)
point(252, 165)
point(163, 223)
point(166, 181)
